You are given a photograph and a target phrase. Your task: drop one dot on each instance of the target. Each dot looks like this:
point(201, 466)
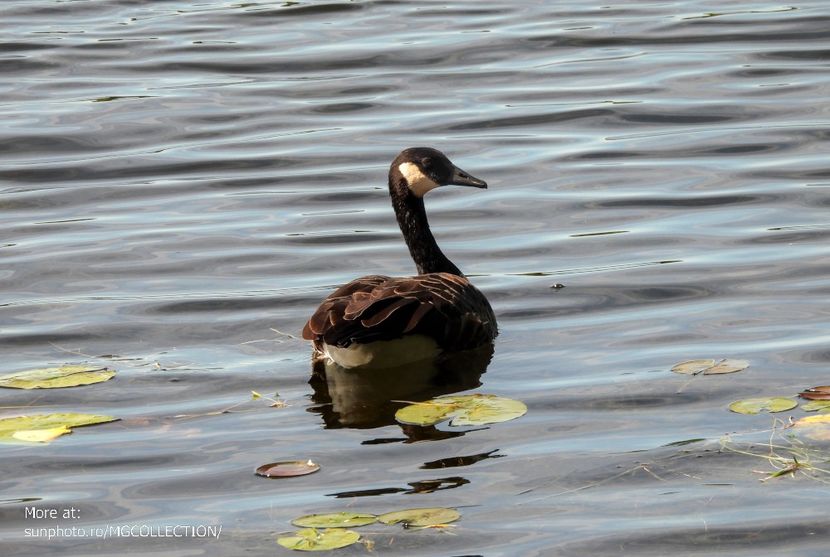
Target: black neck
point(412, 218)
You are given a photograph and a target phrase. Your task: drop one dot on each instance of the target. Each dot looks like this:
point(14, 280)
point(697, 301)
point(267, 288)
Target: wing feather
point(443, 306)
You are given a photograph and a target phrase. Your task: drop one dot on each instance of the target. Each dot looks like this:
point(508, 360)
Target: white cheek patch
point(418, 182)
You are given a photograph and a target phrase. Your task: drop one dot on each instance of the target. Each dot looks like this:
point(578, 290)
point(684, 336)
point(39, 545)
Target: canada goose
point(378, 321)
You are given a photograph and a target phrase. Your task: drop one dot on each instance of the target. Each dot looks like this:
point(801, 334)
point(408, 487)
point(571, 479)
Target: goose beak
point(461, 178)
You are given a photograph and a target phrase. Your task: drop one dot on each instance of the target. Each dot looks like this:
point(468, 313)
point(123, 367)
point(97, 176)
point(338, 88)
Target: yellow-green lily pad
point(311, 539)
point(710, 367)
point(816, 405)
point(757, 405)
point(815, 427)
point(425, 517)
point(821, 419)
point(475, 409)
point(429, 412)
point(42, 428)
point(335, 520)
point(41, 435)
point(56, 377)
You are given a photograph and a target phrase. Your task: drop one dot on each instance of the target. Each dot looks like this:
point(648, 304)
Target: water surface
point(182, 182)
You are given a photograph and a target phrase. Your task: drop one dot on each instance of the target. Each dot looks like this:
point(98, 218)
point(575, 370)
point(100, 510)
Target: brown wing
point(443, 306)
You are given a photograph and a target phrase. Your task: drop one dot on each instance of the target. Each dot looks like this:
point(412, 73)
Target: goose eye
point(430, 168)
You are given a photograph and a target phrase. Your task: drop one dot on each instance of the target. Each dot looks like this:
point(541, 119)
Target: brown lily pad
point(822, 392)
point(287, 469)
point(710, 367)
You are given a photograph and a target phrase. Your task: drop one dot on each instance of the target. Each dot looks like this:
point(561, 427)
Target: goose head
point(417, 170)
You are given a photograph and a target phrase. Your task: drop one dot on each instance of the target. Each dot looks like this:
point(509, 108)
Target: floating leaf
point(41, 435)
point(726, 366)
point(42, 428)
point(426, 413)
point(813, 405)
point(817, 427)
point(822, 392)
point(287, 469)
point(813, 420)
point(476, 409)
point(710, 367)
point(693, 367)
point(335, 520)
point(756, 405)
point(487, 409)
point(56, 377)
point(311, 539)
point(420, 517)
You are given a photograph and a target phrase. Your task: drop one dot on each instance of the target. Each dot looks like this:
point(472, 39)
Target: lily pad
point(816, 405)
point(822, 392)
point(475, 409)
point(41, 435)
point(287, 469)
point(56, 377)
point(815, 427)
point(311, 539)
point(710, 367)
point(821, 419)
point(335, 520)
point(693, 367)
point(726, 366)
point(757, 405)
point(433, 516)
point(42, 428)
point(425, 413)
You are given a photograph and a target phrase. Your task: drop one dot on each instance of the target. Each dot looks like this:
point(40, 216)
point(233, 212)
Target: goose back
point(442, 306)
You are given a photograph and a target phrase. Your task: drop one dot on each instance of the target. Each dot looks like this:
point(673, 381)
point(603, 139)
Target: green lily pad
point(311, 539)
point(710, 367)
point(56, 377)
point(335, 520)
point(475, 409)
point(816, 405)
point(434, 516)
point(757, 405)
point(42, 428)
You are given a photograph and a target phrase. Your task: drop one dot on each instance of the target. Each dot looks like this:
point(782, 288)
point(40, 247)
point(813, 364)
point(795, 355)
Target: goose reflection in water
point(367, 398)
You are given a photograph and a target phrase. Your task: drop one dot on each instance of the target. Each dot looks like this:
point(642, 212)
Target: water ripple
point(183, 182)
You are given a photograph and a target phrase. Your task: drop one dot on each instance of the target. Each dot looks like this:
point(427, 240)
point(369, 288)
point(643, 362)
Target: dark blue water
point(182, 182)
